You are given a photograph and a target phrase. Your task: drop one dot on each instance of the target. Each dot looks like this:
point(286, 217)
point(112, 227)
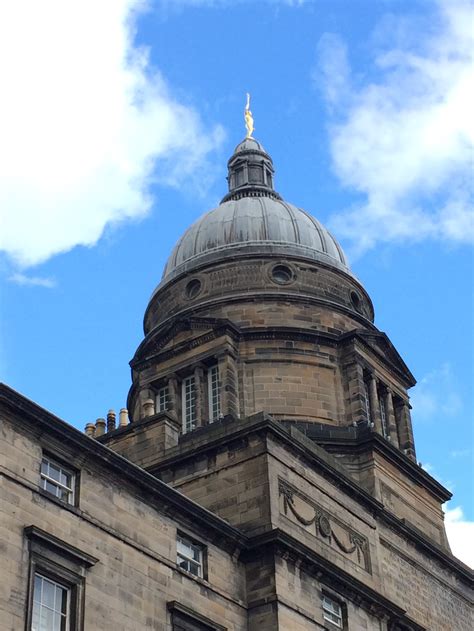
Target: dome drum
point(209, 287)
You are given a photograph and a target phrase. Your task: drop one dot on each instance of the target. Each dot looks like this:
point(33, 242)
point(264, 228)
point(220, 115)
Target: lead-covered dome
point(253, 219)
point(254, 225)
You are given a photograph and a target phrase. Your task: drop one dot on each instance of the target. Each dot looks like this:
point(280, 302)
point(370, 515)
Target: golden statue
point(248, 118)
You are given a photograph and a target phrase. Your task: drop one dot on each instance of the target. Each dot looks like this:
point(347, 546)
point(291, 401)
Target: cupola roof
point(252, 218)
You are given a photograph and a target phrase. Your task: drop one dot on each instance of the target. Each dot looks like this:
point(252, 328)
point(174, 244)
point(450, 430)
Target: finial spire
point(248, 118)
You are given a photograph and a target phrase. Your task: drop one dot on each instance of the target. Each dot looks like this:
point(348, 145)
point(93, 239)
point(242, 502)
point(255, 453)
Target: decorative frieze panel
point(330, 530)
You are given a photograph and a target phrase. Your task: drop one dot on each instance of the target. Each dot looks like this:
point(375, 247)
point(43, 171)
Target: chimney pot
point(90, 429)
point(123, 417)
point(110, 420)
point(100, 427)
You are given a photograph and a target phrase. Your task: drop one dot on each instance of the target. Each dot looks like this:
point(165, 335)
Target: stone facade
point(267, 479)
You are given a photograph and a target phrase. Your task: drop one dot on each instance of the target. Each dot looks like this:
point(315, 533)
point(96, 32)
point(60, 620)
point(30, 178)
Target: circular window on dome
point(282, 274)
point(356, 301)
point(193, 288)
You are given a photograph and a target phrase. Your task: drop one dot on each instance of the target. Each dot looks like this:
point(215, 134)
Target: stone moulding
point(331, 530)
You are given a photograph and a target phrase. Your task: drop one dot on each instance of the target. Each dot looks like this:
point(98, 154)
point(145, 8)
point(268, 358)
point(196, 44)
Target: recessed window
point(56, 584)
point(383, 415)
point(356, 301)
point(332, 612)
point(57, 480)
point(193, 288)
point(282, 274)
point(190, 556)
point(51, 602)
point(214, 393)
point(188, 402)
point(162, 399)
point(185, 619)
point(367, 402)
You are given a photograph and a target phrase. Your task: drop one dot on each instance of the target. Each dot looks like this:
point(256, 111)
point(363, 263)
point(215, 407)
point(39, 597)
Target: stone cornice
point(41, 422)
point(369, 440)
point(346, 583)
point(230, 429)
point(266, 295)
point(391, 358)
point(31, 415)
point(153, 343)
point(33, 533)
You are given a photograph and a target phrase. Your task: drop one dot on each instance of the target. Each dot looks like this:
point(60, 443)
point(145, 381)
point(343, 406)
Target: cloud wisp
point(217, 4)
point(86, 126)
point(32, 281)
point(436, 397)
point(403, 139)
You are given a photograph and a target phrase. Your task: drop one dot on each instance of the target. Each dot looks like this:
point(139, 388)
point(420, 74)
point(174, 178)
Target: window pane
point(162, 399)
point(189, 404)
point(48, 594)
point(63, 494)
point(214, 393)
point(65, 479)
point(56, 480)
point(35, 619)
point(50, 487)
point(332, 611)
point(189, 556)
point(37, 588)
point(50, 605)
point(47, 619)
point(54, 472)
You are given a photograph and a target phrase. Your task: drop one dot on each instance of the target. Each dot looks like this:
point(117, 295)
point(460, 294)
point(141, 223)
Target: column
point(228, 377)
point(354, 374)
point(374, 404)
point(173, 392)
point(407, 442)
point(199, 398)
point(391, 421)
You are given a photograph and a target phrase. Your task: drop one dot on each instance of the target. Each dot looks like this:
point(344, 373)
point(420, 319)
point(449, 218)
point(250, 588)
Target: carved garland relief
point(324, 526)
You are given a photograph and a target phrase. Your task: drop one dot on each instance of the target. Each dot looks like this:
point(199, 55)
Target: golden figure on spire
point(248, 118)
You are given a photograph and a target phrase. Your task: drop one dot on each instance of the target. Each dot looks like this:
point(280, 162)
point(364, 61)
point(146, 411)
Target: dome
point(249, 144)
point(253, 219)
point(250, 225)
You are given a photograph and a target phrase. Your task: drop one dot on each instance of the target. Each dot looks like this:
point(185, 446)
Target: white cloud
point(403, 138)
point(84, 121)
point(436, 396)
point(32, 281)
point(460, 533)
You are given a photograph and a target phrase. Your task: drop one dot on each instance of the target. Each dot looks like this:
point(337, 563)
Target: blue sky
point(117, 121)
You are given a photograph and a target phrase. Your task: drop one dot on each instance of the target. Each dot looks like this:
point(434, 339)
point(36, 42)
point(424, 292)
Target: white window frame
point(332, 611)
point(186, 552)
point(214, 393)
point(188, 404)
point(162, 399)
point(39, 606)
point(60, 487)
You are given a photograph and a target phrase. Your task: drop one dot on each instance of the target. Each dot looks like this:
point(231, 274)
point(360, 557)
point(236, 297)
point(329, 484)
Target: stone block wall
point(134, 541)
